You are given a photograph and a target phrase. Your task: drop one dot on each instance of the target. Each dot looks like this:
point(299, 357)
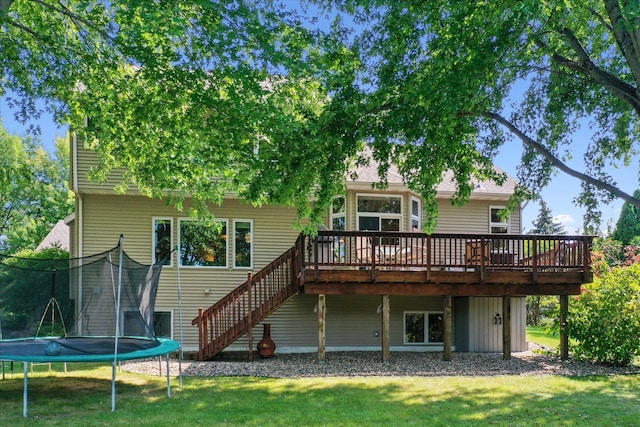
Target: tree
point(34, 190)
point(454, 81)
point(544, 223)
point(195, 98)
point(628, 225)
point(202, 98)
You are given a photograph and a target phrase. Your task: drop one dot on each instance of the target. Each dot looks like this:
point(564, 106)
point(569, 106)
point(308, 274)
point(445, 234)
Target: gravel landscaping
point(362, 364)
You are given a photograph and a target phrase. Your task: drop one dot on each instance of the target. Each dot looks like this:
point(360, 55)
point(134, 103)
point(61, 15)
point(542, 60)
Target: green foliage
point(541, 309)
point(34, 190)
point(628, 225)
point(26, 286)
point(453, 82)
point(204, 98)
point(604, 321)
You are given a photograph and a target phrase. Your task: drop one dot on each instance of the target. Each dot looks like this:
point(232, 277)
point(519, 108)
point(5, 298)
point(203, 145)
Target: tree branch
point(73, 16)
point(555, 161)
point(626, 41)
point(622, 90)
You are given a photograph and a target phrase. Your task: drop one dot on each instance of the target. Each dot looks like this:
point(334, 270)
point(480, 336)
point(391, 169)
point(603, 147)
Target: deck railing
point(453, 252)
point(248, 304)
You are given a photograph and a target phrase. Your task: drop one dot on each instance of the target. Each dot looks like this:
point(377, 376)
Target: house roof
point(368, 174)
point(57, 237)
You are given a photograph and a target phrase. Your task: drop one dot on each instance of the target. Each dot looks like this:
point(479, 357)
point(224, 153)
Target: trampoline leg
point(113, 387)
point(168, 378)
point(26, 387)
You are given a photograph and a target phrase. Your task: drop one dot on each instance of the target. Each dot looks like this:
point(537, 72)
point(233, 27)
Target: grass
point(537, 334)
point(82, 397)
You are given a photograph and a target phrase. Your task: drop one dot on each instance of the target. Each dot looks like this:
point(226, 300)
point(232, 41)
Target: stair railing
point(248, 304)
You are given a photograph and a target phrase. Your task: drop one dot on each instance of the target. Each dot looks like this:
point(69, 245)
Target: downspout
point(78, 221)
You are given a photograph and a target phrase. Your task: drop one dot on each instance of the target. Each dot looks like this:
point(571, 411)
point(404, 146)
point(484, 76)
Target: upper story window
point(203, 245)
point(496, 223)
point(338, 214)
point(416, 214)
point(243, 243)
point(162, 241)
point(379, 212)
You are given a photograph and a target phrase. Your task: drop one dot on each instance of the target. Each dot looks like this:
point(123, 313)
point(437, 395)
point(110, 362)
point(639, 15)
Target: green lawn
point(537, 334)
point(82, 397)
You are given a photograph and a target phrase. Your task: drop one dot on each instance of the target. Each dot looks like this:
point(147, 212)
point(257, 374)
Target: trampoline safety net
point(68, 298)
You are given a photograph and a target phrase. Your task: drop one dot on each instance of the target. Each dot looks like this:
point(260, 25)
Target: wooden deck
point(388, 263)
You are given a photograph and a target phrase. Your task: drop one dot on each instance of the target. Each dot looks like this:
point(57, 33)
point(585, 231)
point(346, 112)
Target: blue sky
point(559, 194)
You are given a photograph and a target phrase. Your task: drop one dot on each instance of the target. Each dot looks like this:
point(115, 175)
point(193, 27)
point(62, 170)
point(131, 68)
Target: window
point(496, 224)
point(416, 214)
point(379, 213)
point(242, 244)
point(338, 214)
point(134, 326)
point(162, 240)
point(421, 327)
point(203, 245)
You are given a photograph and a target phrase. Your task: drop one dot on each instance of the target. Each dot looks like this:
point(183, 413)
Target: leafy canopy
point(258, 98)
point(447, 83)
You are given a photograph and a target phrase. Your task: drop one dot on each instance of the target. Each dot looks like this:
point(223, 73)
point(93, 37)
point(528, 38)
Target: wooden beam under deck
point(437, 289)
point(455, 283)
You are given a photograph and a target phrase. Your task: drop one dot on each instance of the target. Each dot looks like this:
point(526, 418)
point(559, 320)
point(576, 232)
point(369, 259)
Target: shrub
point(604, 321)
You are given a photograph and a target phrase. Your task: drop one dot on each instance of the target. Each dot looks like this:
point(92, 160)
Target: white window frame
point(342, 214)
point(252, 241)
point(381, 215)
point(226, 223)
point(492, 224)
point(426, 327)
point(153, 239)
point(417, 218)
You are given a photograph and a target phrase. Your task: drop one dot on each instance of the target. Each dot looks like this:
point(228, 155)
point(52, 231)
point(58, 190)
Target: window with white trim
point(423, 327)
point(379, 212)
point(243, 243)
point(162, 241)
point(203, 244)
point(338, 214)
point(416, 214)
point(496, 223)
point(162, 324)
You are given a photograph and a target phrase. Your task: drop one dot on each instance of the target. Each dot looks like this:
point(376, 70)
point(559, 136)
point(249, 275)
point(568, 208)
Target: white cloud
point(564, 219)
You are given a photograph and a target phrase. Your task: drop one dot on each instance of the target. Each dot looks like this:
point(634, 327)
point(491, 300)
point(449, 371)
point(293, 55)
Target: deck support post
point(249, 318)
point(447, 328)
point(385, 329)
point(322, 313)
point(506, 327)
point(564, 337)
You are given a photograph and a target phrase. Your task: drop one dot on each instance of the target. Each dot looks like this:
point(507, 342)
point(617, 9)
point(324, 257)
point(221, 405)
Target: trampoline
point(100, 309)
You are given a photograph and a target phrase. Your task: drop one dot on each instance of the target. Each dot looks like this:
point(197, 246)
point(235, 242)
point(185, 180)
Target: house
point(371, 281)
point(58, 236)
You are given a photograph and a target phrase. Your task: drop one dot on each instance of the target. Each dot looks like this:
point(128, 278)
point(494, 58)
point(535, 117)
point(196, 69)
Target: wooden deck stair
point(248, 304)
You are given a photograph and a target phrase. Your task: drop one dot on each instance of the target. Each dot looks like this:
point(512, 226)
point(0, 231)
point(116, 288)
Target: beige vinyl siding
point(472, 217)
point(352, 322)
point(86, 159)
point(106, 217)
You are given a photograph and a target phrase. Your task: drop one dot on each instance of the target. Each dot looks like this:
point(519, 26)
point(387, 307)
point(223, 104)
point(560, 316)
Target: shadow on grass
point(84, 398)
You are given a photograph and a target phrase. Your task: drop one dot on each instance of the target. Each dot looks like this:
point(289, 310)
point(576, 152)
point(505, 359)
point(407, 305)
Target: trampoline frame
point(165, 348)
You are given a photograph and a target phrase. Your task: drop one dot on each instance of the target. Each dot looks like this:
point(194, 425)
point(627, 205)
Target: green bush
point(604, 321)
